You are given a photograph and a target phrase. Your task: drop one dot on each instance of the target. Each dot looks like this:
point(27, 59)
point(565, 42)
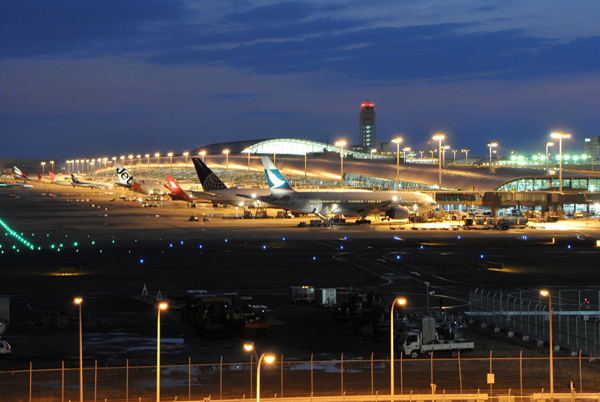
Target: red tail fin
point(174, 187)
point(52, 177)
point(39, 176)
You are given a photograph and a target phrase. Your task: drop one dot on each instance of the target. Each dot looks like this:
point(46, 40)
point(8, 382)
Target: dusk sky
point(110, 77)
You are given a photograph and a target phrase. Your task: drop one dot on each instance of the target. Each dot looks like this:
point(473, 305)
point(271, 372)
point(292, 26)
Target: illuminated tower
point(367, 126)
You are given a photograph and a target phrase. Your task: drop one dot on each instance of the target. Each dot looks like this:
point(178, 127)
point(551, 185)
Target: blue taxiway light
point(314, 258)
point(142, 261)
point(200, 246)
point(398, 257)
point(421, 247)
point(481, 256)
point(264, 247)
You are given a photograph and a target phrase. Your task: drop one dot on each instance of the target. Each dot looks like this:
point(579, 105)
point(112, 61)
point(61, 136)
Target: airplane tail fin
point(52, 177)
point(277, 183)
point(39, 176)
point(18, 172)
point(209, 180)
point(174, 187)
point(125, 178)
point(74, 179)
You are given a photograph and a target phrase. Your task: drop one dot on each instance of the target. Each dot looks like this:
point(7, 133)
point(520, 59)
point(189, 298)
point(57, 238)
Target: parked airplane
point(176, 192)
point(395, 205)
point(20, 174)
point(90, 184)
point(128, 181)
point(56, 180)
point(43, 179)
point(218, 193)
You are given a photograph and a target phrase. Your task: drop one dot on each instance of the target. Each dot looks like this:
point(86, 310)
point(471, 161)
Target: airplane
point(128, 181)
point(56, 180)
point(90, 184)
point(177, 193)
point(394, 205)
point(42, 179)
point(218, 193)
point(19, 174)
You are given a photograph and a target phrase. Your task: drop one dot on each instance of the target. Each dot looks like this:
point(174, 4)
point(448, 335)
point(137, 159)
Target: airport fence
point(520, 377)
point(575, 316)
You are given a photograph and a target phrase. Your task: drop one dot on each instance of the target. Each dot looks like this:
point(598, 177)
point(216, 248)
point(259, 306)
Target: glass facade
point(546, 184)
point(292, 146)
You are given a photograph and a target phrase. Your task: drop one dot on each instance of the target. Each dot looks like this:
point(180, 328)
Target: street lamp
point(202, 153)
point(560, 137)
point(161, 306)
point(130, 160)
point(491, 145)
point(157, 155)
point(546, 293)
point(397, 141)
point(43, 166)
point(341, 145)
point(170, 155)
point(466, 151)
point(421, 152)
point(114, 160)
point(248, 151)
point(373, 151)
point(122, 160)
point(548, 144)
point(147, 156)
point(444, 149)
point(78, 301)
point(268, 358)
point(52, 166)
point(139, 157)
point(77, 166)
point(439, 137)
point(226, 152)
point(454, 153)
point(401, 302)
point(404, 150)
point(186, 154)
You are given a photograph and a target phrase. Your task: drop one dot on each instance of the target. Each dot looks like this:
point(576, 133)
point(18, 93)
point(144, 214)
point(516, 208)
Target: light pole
point(305, 160)
point(147, 156)
point(186, 154)
point(546, 293)
point(248, 151)
point(404, 151)
point(226, 152)
point(114, 160)
point(373, 151)
point(52, 166)
point(157, 155)
point(491, 145)
point(548, 144)
point(202, 153)
point(444, 149)
point(401, 302)
point(268, 358)
point(122, 160)
point(466, 151)
point(560, 137)
point(77, 165)
point(170, 155)
point(130, 160)
point(139, 158)
point(439, 137)
point(78, 301)
point(454, 152)
point(397, 141)
point(341, 145)
point(43, 166)
point(421, 152)
point(161, 306)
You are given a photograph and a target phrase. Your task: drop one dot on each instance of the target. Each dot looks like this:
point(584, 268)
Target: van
point(5, 348)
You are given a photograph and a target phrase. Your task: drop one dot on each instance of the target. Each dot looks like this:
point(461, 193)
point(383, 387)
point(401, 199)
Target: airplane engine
point(397, 213)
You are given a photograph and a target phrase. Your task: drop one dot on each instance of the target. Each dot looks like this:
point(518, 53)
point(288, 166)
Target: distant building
point(591, 147)
point(367, 126)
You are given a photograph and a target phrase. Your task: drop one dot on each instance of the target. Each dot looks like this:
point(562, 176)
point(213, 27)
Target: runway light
point(314, 258)
point(283, 239)
point(421, 247)
point(182, 242)
point(397, 257)
point(142, 261)
point(481, 256)
point(341, 247)
point(171, 245)
point(458, 237)
point(264, 247)
point(345, 238)
point(569, 246)
point(225, 240)
point(200, 246)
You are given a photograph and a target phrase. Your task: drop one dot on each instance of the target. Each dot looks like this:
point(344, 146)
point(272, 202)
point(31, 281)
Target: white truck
point(415, 343)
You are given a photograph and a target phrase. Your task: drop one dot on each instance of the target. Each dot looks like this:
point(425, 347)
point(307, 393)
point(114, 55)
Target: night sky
point(112, 77)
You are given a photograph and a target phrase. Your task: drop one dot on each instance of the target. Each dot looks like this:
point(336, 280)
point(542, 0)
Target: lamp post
point(439, 137)
point(77, 165)
point(226, 152)
point(548, 144)
point(491, 145)
point(341, 145)
point(267, 358)
point(248, 151)
point(147, 156)
point(78, 301)
point(397, 141)
point(404, 151)
point(202, 153)
point(560, 137)
point(546, 293)
point(130, 160)
point(52, 166)
point(43, 166)
point(157, 155)
point(305, 160)
point(454, 153)
point(122, 160)
point(170, 155)
point(401, 302)
point(444, 149)
point(421, 152)
point(186, 154)
point(161, 306)
point(466, 151)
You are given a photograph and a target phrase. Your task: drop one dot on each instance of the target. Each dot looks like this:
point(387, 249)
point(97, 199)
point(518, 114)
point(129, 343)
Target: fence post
point(221, 379)
point(30, 378)
point(580, 374)
point(372, 386)
point(282, 375)
point(459, 373)
point(312, 383)
point(401, 373)
point(251, 370)
point(521, 371)
point(342, 371)
point(95, 380)
point(62, 398)
point(189, 378)
point(127, 380)
point(431, 360)
point(491, 371)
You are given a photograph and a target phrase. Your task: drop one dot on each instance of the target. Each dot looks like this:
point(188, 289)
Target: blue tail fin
point(277, 183)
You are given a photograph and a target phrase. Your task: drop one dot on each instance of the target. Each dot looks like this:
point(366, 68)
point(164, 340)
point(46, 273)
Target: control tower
point(367, 126)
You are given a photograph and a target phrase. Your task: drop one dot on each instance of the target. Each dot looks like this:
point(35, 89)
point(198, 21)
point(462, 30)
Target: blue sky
point(111, 77)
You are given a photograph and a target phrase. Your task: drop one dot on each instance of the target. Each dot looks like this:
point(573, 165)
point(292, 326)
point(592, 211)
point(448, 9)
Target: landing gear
point(363, 221)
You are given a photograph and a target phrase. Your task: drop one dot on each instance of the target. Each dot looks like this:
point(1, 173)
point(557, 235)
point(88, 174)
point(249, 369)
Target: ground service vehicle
point(5, 348)
point(414, 343)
